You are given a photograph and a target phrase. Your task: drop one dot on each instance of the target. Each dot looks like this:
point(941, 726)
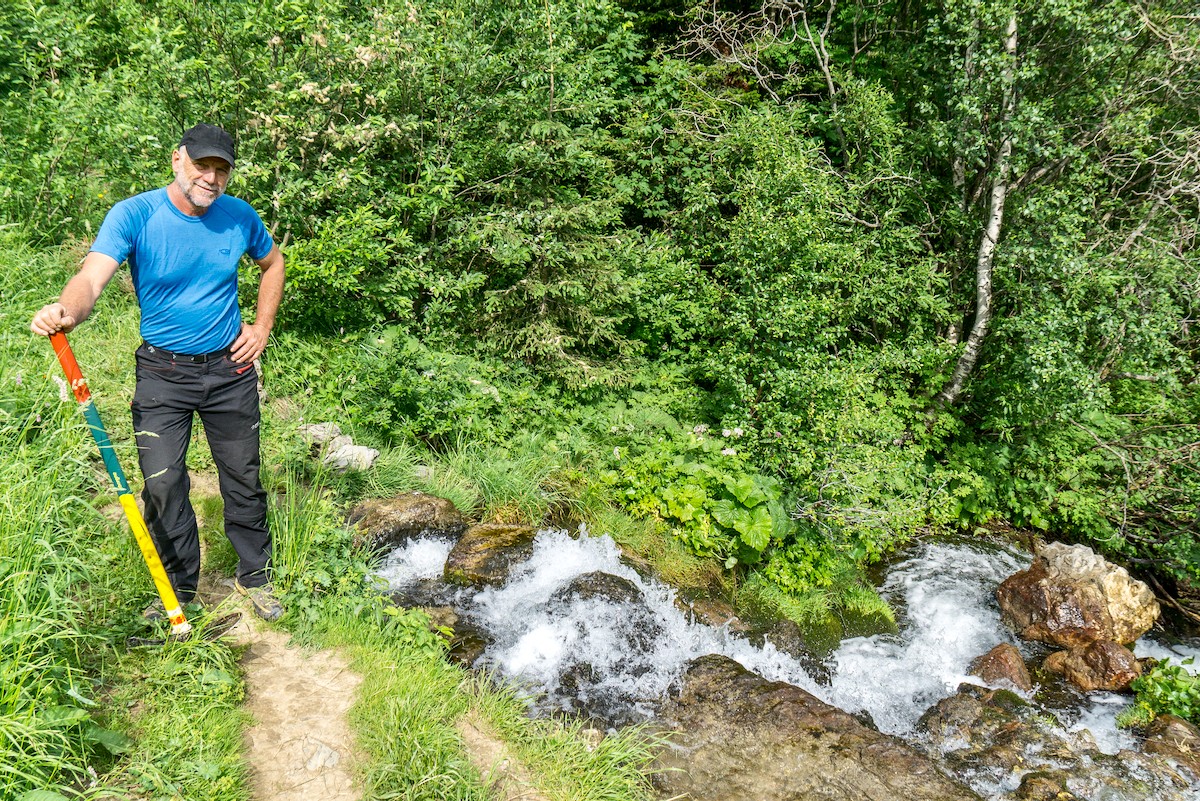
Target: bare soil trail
point(506, 777)
point(299, 746)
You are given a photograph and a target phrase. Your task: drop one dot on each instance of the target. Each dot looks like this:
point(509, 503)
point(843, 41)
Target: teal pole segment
point(106, 448)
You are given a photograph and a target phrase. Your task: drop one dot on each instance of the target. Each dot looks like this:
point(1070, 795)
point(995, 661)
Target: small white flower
point(728, 452)
point(64, 391)
point(737, 432)
point(726, 432)
point(617, 453)
point(17, 380)
point(700, 429)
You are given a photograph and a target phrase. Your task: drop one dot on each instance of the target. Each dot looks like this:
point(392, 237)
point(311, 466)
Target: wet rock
point(738, 737)
point(995, 735)
point(1044, 785)
point(1176, 739)
point(486, 552)
point(385, 523)
point(599, 585)
point(709, 611)
point(441, 617)
point(788, 638)
point(602, 684)
point(1070, 596)
point(971, 718)
point(425, 593)
point(1003, 664)
point(1096, 666)
point(468, 643)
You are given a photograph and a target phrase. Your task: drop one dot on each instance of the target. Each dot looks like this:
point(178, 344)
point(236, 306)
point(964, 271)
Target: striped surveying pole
point(179, 624)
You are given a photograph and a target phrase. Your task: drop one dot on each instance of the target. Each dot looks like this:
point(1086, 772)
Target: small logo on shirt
point(224, 251)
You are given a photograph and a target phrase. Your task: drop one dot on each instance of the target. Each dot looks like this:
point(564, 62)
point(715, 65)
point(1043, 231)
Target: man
point(183, 244)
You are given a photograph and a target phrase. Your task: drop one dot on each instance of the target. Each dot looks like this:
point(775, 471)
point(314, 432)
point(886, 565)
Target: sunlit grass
point(72, 582)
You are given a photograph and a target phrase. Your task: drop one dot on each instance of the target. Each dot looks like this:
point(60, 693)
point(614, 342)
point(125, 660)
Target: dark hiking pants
point(171, 388)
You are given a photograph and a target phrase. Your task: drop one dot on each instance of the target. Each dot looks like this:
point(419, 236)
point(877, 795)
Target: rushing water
point(617, 661)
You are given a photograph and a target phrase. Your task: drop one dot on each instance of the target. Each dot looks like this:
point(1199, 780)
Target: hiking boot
point(155, 611)
point(263, 599)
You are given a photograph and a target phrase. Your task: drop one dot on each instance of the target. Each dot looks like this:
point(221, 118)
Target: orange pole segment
point(162, 582)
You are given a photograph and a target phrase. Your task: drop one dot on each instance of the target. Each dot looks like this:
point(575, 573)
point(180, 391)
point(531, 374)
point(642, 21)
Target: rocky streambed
point(955, 705)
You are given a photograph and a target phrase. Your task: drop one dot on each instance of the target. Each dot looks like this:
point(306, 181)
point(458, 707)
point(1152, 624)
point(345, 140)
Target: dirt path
point(506, 777)
point(299, 746)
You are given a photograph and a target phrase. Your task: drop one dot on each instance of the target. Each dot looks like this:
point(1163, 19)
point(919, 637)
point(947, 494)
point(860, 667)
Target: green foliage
point(714, 500)
point(324, 579)
point(346, 275)
point(651, 540)
point(49, 731)
point(188, 698)
point(1167, 688)
point(398, 389)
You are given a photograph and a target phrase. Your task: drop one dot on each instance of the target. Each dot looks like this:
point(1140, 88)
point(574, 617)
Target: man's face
point(202, 181)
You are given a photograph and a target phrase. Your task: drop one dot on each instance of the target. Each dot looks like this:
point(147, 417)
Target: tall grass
point(72, 582)
point(44, 694)
point(516, 482)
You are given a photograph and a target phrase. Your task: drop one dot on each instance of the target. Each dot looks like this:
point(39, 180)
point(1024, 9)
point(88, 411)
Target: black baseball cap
point(203, 141)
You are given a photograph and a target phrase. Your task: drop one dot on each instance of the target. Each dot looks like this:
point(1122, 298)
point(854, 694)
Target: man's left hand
point(250, 343)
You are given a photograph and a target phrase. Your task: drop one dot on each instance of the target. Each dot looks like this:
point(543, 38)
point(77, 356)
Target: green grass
point(80, 716)
point(516, 483)
point(559, 754)
point(670, 559)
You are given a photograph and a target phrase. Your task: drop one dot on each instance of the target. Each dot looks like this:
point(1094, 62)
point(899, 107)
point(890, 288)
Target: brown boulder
point(1070, 597)
point(486, 552)
point(739, 737)
point(1096, 666)
point(1045, 785)
point(1003, 664)
point(385, 523)
point(1176, 739)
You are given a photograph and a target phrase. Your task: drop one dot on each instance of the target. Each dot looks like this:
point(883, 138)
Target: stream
point(615, 663)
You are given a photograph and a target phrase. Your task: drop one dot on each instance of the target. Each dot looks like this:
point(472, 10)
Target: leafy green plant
point(1168, 688)
point(713, 499)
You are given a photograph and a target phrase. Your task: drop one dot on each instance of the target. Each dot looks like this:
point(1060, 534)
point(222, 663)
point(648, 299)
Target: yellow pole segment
point(179, 624)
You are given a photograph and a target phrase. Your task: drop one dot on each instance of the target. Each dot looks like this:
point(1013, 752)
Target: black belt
point(197, 358)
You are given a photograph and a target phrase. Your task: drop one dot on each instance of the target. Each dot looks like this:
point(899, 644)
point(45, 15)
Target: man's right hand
point(50, 319)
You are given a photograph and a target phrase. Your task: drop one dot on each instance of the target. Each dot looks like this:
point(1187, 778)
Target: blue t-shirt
point(184, 268)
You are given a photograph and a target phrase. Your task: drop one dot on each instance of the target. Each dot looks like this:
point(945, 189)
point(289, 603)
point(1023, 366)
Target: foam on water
point(947, 619)
point(618, 660)
point(1099, 720)
point(421, 558)
point(1176, 652)
point(592, 654)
